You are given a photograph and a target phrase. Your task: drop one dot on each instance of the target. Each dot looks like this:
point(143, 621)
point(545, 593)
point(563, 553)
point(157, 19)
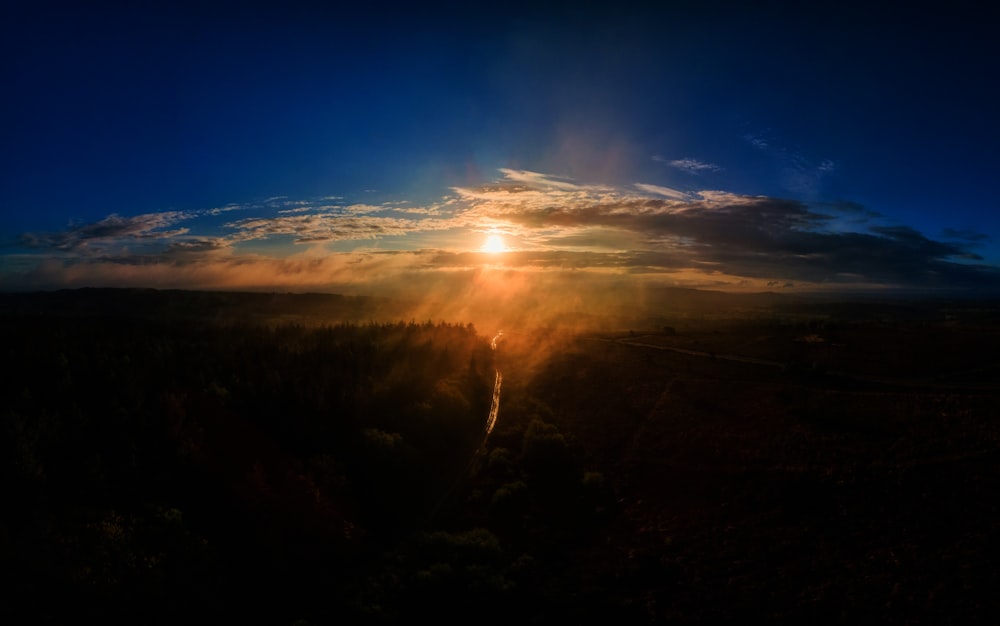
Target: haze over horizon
point(470, 154)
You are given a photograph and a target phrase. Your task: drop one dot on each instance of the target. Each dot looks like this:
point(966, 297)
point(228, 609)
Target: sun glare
point(494, 244)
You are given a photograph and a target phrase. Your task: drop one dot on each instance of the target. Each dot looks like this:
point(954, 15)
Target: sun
point(494, 244)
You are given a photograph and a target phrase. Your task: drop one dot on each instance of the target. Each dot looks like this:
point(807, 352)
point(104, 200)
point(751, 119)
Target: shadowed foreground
point(205, 466)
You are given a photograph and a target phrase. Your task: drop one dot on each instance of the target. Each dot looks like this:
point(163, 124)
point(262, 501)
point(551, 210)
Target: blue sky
point(791, 147)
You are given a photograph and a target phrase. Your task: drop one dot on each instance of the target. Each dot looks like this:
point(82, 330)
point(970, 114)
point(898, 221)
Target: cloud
point(848, 207)
point(110, 231)
point(752, 237)
point(644, 233)
point(663, 191)
point(539, 180)
point(758, 140)
point(320, 228)
point(693, 166)
point(967, 235)
point(225, 209)
point(797, 172)
point(195, 247)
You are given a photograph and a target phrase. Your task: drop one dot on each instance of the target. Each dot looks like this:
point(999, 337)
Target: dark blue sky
point(806, 147)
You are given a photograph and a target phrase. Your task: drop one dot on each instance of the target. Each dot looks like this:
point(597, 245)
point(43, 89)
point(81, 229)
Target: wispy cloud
point(693, 166)
point(319, 228)
point(967, 235)
point(797, 172)
point(113, 230)
point(666, 192)
point(540, 180)
point(758, 140)
point(225, 209)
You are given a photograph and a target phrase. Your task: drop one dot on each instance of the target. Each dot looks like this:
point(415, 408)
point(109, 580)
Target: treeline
point(166, 471)
point(174, 304)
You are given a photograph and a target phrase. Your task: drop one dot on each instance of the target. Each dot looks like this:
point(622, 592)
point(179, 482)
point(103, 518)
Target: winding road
point(491, 421)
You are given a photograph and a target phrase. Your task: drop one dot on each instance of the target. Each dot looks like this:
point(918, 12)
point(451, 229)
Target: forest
point(184, 457)
point(202, 467)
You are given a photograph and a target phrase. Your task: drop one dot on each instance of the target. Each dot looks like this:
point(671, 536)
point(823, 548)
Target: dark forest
point(186, 457)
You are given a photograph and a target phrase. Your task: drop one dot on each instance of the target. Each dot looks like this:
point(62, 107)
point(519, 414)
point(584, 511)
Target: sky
point(569, 148)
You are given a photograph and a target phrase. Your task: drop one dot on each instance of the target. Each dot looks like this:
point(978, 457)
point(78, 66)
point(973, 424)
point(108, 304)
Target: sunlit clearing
point(494, 244)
